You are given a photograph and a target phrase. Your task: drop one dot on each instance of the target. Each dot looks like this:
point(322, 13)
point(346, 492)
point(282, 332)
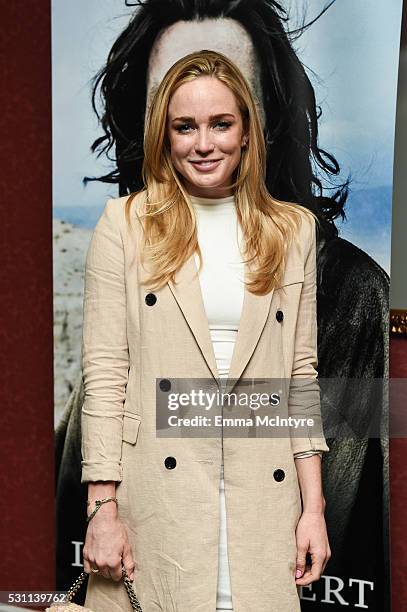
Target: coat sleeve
point(304, 393)
point(105, 355)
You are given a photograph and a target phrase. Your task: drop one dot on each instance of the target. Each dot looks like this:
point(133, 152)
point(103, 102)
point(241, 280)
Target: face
point(205, 133)
point(225, 35)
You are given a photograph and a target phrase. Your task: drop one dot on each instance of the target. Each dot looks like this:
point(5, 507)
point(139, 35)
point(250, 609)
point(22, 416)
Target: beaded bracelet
point(98, 503)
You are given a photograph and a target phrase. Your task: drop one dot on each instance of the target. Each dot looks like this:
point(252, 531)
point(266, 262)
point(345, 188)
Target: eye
point(225, 124)
point(180, 128)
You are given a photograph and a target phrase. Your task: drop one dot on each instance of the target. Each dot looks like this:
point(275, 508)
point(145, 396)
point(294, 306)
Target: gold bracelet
point(98, 503)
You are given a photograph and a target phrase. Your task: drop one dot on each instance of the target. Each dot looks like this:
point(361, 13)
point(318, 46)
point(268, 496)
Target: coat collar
point(188, 294)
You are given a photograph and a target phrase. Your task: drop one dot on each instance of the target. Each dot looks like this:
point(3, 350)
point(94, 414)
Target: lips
point(206, 165)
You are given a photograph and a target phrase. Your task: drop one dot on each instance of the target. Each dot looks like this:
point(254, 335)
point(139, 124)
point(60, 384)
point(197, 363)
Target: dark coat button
point(151, 299)
point(170, 463)
point(165, 384)
point(279, 475)
point(279, 315)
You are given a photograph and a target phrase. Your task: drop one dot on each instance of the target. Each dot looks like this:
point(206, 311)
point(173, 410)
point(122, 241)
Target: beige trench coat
point(168, 488)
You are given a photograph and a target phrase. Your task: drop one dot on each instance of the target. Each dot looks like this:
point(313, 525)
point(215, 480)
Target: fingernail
point(298, 573)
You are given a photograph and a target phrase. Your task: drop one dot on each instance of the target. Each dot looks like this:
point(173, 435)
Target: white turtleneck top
point(222, 284)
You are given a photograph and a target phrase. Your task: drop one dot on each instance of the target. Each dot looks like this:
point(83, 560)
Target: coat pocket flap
point(292, 275)
point(131, 424)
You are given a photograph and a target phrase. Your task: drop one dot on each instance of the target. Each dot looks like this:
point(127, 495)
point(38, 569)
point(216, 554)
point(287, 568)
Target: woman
point(148, 318)
point(352, 289)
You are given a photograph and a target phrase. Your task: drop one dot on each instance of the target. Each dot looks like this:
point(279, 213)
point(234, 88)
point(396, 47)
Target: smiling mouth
point(205, 162)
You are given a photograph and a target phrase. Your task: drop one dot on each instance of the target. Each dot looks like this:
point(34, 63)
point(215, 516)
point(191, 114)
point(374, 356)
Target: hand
point(311, 536)
point(107, 546)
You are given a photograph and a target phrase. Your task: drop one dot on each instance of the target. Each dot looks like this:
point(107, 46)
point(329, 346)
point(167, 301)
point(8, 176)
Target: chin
point(208, 181)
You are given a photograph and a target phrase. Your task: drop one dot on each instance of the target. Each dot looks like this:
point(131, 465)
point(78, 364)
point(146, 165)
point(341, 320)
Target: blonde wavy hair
point(167, 215)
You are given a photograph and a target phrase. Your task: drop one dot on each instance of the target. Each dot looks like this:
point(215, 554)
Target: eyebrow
point(212, 117)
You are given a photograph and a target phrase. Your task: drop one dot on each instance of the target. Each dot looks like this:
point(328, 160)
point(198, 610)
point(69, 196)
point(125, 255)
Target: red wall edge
point(27, 507)
point(398, 490)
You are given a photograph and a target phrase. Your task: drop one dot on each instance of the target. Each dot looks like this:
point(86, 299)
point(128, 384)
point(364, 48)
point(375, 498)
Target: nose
point(203, 142)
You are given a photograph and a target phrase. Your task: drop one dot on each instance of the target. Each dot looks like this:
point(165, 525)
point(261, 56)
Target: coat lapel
point(188, 294)
point(252, 321)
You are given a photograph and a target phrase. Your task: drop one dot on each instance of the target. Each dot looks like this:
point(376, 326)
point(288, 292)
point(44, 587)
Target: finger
point(316, 567)
point(104, 570)
point(115, 569)
point(129, 563)
point(327, 557)
point(86, 566)
point(89, 564)
point(300, 561)
point(306, 579)
point(86, 562)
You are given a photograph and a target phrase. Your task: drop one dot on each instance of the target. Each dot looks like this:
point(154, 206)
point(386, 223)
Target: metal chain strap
point(135, 604)
point(76, 585)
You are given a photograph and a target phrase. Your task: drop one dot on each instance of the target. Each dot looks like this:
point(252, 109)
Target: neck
point(211, 203)
point(210, 193)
